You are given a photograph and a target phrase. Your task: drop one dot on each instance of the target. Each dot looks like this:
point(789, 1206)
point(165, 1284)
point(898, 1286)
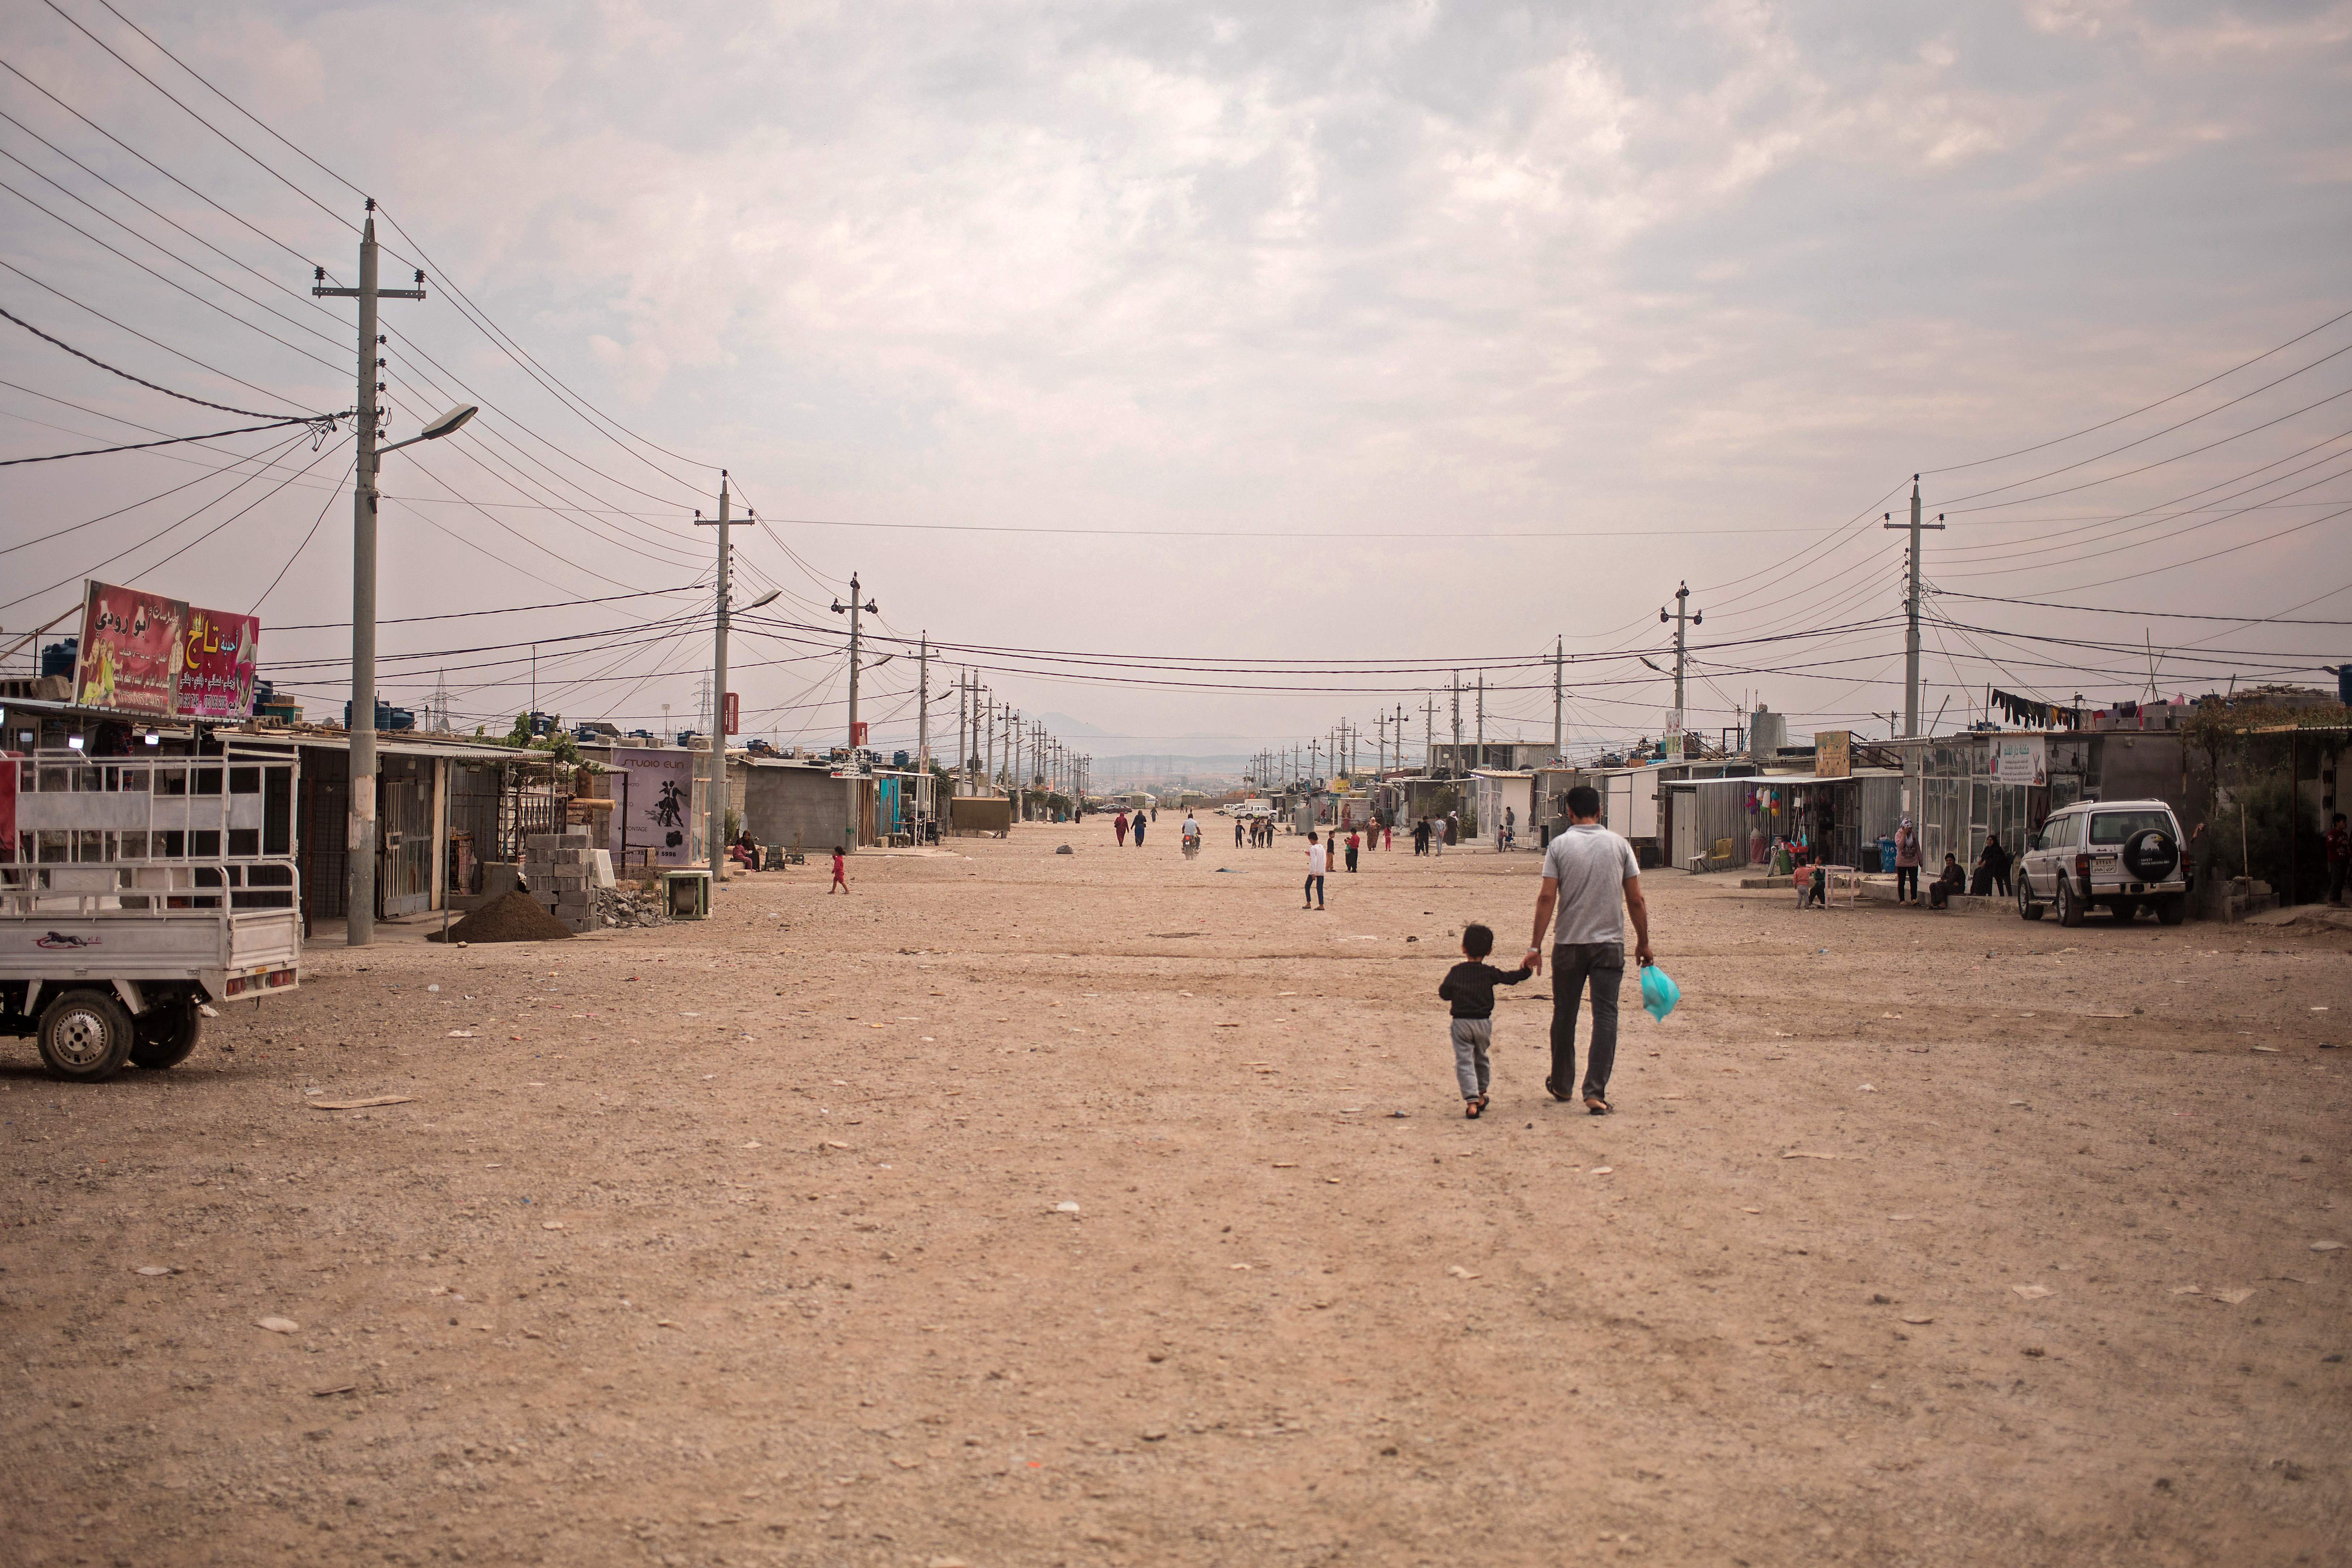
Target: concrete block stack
point(557, 871)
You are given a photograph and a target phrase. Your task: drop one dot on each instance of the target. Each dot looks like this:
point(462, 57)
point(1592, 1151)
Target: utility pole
point(1481, 718)
point(715, 833)
point(1911, 610)
point(1428, 732)
point(1457, 723)
point(1682, 618)
point(360, 838)
point(1558, 657)
point(853, 610)
point(923, 704)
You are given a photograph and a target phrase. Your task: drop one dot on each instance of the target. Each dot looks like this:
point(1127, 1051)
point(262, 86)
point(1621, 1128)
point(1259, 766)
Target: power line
point(151, 386)
point(2118, 419)
point(2158, 614)
point(144, 446)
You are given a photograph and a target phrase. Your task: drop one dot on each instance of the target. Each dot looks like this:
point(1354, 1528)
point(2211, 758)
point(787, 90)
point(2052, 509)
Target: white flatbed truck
point(135, 892)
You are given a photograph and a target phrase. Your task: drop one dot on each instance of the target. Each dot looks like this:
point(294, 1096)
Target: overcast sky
point(1347, 295)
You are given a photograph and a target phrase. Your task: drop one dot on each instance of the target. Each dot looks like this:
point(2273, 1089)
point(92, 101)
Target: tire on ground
point(165, 1034)
point(85, 1036)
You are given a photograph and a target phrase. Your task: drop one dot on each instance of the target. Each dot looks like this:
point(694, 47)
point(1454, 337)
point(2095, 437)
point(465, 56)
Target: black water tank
point(58, 658)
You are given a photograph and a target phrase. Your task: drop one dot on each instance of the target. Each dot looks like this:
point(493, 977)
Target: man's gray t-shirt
point(1590, 863)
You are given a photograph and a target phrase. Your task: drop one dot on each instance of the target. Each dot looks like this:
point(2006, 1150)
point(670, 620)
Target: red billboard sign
point(130, 651)
point(143, 653)
point(216, 671)
point(729, 713)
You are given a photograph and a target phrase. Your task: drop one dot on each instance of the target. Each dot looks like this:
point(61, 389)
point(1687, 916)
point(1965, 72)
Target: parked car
point(2123, 854)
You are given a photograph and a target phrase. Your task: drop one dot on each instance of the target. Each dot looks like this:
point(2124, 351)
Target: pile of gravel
point(512, 918)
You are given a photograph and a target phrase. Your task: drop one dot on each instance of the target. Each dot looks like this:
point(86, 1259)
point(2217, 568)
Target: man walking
point(1314, 863)
point(1593, 881)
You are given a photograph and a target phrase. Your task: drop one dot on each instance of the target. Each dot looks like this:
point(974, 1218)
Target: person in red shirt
point(840, 874)
point(1355, 842)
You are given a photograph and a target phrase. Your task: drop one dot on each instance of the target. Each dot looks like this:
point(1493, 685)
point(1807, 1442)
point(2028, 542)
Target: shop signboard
point(658, 804)
point(2020, 759)
point(1833, 754)
point(161, 658)
point(217, 669)
point(131, 651)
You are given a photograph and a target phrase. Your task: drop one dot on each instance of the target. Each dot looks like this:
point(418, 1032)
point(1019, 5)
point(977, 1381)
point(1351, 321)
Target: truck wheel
point(165, 1034)
point(85, 1037)
point(2026, 908)
point(2070, 904)
point(2172, 908)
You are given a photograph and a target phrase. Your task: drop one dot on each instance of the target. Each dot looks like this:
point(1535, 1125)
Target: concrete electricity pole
point(923, 704)
point(1682, 618)
point(853, 609)
point(1559, 650)
point(1911, 610)
point(1428, 732)
point(360, 928)
point(1482, 719)
point(1457, 723)
point(715, 833)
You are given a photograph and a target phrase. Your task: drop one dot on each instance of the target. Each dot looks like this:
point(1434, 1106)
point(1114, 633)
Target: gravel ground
point(1106, 1209)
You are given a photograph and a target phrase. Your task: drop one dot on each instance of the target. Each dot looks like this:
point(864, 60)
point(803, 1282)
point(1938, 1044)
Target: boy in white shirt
point(1315, 861)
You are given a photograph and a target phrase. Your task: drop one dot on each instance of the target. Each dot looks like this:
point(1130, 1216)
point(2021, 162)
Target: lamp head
point(450, 421)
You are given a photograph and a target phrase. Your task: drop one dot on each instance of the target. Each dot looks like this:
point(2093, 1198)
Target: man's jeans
point(1572, 965)
point(1315, 888)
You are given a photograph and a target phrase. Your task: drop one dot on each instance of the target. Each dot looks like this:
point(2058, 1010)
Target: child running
point(1470, 987)
point(840, 875)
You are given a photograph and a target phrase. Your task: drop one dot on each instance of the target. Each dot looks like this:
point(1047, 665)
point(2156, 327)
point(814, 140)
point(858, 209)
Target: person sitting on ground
point(1470, 987)
point(1992, 871)
point(745, 851)
point(1950, 881)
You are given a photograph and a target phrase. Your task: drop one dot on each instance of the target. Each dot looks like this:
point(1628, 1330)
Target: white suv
point(2126, 854)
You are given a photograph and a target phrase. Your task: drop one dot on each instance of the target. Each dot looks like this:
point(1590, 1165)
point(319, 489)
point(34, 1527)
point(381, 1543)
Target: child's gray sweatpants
point(1471, 1039)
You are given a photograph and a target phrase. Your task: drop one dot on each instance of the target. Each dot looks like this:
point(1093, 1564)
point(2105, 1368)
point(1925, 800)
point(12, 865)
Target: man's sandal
point(1473, 1109)
point(1556, 1092)
point(1596, 1105)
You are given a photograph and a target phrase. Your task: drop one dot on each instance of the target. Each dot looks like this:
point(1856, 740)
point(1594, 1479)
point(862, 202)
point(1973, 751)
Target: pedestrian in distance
point(1906, 863)
point(1138, 825)
point(1353, 839)
point(1387, 835)
point(1314, 863)
point(1119, 826)
point(1237, 833)
point(1470, 987)
point(1590, 883)
point(840, 872)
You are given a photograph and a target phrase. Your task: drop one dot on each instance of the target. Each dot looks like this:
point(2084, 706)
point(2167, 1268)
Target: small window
point(244, 840)
point(245, 781)
point(2057, 833)
point(205, 843)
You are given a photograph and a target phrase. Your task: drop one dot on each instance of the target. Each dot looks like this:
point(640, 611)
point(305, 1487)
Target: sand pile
point(514, 917)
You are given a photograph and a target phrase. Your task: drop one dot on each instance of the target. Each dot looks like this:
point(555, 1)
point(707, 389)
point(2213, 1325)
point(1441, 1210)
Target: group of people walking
point(1431, 834)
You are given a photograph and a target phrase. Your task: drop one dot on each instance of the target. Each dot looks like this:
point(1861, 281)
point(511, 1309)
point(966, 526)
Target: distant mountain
point(1068, 728)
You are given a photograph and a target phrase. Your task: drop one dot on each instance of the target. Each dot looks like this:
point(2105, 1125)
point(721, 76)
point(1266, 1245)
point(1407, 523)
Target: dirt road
point(1023, 1209)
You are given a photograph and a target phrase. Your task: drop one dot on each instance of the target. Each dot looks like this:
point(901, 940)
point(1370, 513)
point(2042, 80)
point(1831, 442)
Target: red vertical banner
point(730, 714)
point(217, 667)
point(130, 651)
point(857, 733)
point(7, 808)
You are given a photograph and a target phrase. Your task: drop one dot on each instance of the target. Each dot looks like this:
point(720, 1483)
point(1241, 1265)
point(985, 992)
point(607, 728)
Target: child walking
point(1470, 987)
point(840, 875)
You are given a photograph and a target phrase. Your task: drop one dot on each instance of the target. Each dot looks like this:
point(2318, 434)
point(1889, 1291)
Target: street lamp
point(437, 429)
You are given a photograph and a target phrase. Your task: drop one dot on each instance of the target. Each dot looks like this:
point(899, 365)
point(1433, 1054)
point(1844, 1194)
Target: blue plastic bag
point(1659, 993)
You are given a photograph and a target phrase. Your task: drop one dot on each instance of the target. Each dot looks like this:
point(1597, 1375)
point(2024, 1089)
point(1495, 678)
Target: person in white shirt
point(1316, 861)
point(1591, 879)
